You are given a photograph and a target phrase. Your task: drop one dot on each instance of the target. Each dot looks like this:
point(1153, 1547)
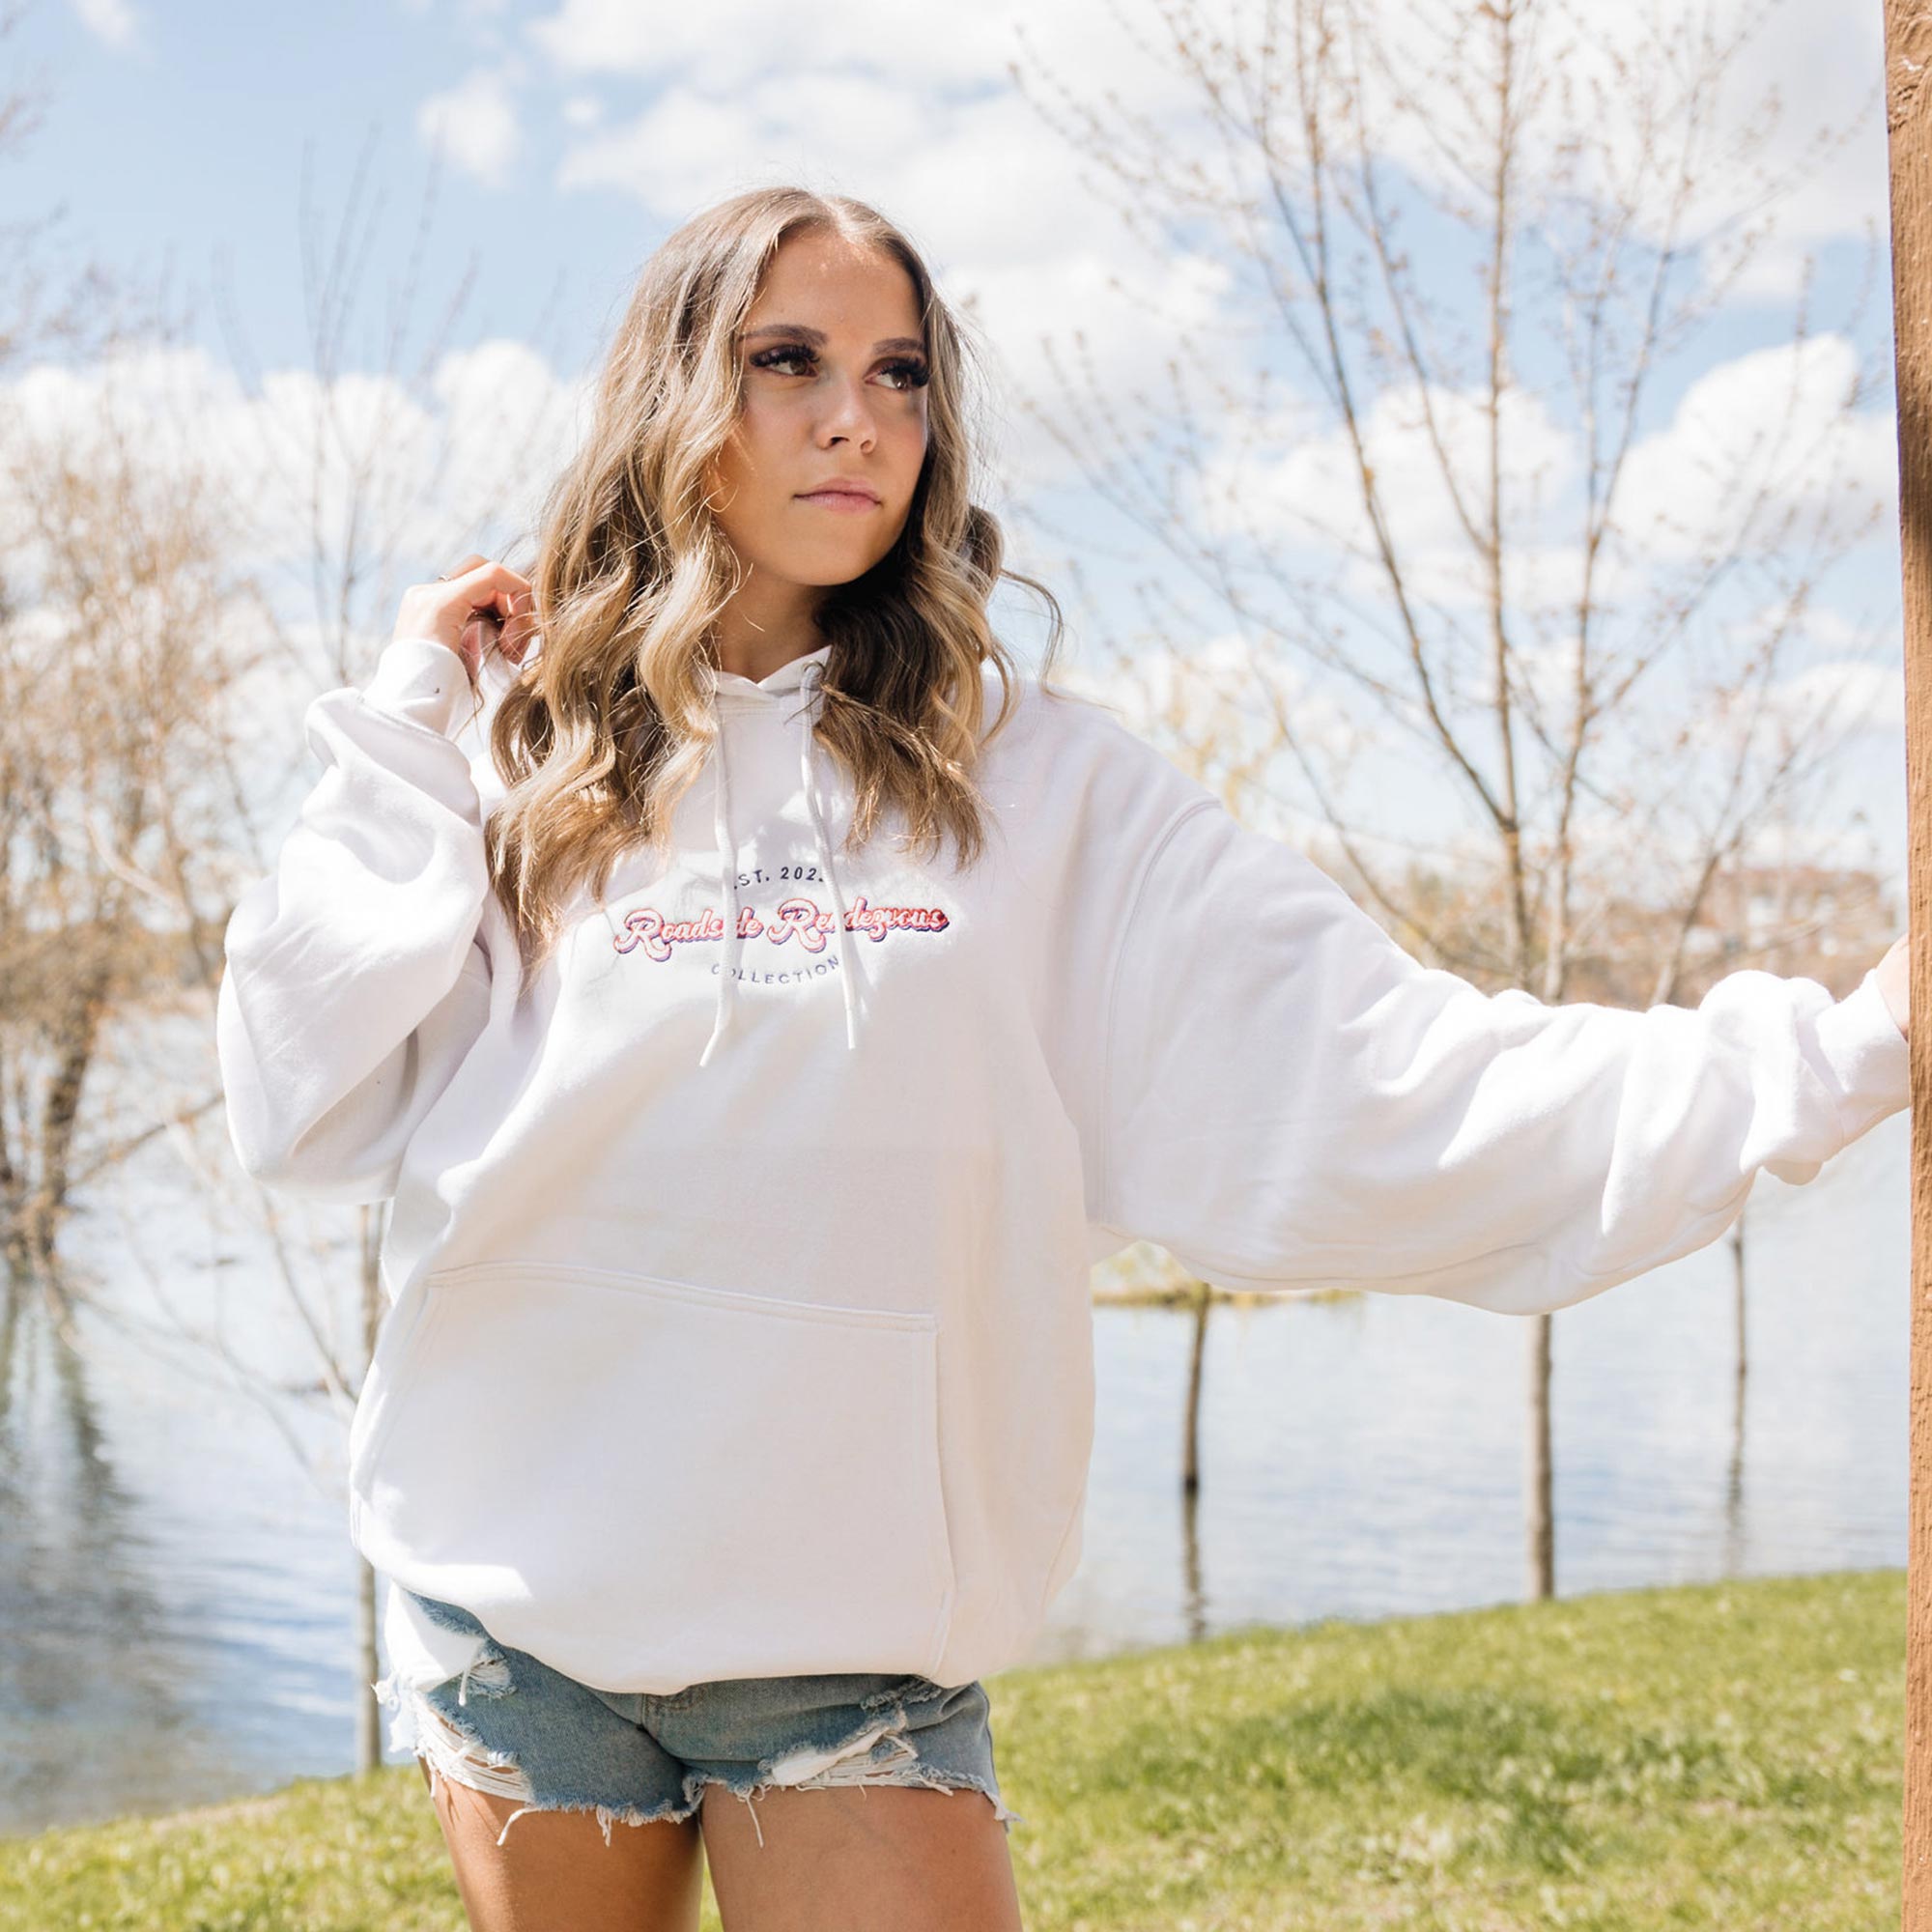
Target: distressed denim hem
point(453, 1751)
point(912, 1775)
point(875, 1751)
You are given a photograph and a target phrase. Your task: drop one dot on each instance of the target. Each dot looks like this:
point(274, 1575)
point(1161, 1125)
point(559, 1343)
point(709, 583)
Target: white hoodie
point(741, 1319)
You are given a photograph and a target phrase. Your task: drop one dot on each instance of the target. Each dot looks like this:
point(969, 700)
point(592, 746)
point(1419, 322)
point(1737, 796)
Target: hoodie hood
point(792, 696)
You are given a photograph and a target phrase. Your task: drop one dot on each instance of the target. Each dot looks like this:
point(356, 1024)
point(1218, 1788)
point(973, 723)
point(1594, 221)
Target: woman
point(761, 1042)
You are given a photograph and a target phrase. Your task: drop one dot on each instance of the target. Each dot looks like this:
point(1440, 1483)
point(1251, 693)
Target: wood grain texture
point(1908, 59)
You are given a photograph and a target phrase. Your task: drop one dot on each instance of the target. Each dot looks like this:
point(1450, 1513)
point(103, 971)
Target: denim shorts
point(512, 1726)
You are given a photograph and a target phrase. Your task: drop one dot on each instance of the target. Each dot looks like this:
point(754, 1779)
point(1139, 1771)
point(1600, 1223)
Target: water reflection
point(1363, 1456)
point(176, 1609)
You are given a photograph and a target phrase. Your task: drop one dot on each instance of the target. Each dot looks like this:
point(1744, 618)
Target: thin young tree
point(1468, 244)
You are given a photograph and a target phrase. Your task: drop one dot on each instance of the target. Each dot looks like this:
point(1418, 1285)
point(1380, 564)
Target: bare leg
point(867, 1858)
point(552, 1872)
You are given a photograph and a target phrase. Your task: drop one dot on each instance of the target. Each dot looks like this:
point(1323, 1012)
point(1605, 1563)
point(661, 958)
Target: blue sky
point(568, 139)
point(188, 143)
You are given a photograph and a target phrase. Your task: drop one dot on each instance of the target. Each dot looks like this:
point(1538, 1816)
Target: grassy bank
point(1721, 1755)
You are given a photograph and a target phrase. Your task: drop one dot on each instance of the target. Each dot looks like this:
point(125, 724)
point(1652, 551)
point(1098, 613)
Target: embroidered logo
point(798, 919)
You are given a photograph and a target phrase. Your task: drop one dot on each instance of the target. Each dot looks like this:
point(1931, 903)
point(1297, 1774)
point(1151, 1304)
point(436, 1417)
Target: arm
point(355, 982)
point(1288, 1098)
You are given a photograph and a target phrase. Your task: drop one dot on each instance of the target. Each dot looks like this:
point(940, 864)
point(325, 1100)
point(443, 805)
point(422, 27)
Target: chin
point(826, 573)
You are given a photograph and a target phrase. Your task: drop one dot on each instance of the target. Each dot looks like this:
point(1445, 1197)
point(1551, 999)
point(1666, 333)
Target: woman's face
point(834, 367)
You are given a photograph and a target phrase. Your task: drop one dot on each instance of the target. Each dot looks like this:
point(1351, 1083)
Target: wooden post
point(1908, 66)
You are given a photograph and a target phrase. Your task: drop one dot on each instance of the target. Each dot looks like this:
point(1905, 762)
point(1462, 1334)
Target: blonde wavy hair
point(606, 726)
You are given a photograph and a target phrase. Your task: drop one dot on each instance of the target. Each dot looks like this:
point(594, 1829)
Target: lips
point(840, 495)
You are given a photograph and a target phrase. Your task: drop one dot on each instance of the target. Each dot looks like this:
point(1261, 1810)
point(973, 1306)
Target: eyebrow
point(817, 338)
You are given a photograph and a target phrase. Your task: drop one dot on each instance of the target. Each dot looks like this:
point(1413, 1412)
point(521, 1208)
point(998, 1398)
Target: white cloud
point(114, 23)
point(1657, 110)
point(475, 125)
point(1818, 703)
point(692, 144)
point(415, 471)
point(1852, 696)
point(1297, 490)
point(1761, 452)
point(1758, 437)
point(1211, 706)
point(918, 44)
point(1577, 62)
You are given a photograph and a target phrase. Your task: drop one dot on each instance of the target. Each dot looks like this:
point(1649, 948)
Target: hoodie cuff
point(420, 680)
point(1870, 1056)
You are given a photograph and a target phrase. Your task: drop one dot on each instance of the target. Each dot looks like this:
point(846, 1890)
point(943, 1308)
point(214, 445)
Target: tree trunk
point(1907, 58)
point(77, 1035)
point(1538, 1487)
point(1738, 1305)
point(368, 1713)
point(369, 1668)
point(1190, 1448)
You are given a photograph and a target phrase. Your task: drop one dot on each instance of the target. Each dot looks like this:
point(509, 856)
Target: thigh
point(876, 1858)
point(559, 1808)
point(845, 1803)
point(556, 1874)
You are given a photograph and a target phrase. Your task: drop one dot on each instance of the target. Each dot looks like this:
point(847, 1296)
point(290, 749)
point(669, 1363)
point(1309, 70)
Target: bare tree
point(104, 705)
point(110, 570)
point(1590, 673)
point(150, 695)
point(44, 304)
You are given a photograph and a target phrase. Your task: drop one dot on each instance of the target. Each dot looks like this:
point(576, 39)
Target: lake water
point(176, 1609)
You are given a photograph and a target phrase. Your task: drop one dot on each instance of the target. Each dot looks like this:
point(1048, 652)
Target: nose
point(848, 415)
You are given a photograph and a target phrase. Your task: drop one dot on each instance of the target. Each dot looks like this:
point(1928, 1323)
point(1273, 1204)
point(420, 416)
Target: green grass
point(1724, 1755)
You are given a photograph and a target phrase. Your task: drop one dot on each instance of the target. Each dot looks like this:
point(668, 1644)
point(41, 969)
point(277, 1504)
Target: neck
point(767, 624)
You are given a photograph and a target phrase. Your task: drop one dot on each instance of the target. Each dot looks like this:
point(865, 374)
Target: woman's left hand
point(1894, 982)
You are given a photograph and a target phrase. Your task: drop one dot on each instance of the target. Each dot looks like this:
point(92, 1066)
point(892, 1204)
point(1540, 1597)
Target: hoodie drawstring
point(815, 678)
point(727, 844)
point(727, 860)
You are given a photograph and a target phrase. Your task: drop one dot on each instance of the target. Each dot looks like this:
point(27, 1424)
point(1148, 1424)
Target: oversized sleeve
point(355, 981)
point(1285, 1098)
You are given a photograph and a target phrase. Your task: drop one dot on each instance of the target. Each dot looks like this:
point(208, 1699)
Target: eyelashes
point(912, 367)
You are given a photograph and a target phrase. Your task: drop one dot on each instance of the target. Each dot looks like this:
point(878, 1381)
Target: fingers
point(507, 598)
point(478, 603)
point(485, 587)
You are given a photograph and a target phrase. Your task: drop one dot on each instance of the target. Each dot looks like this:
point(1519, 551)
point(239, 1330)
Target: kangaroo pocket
point(647, 1483)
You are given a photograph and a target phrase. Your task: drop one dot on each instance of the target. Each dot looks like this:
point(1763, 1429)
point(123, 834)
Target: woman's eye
point(911, 371)
point(770, 358)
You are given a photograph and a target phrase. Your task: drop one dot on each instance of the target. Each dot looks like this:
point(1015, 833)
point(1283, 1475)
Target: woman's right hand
point(450, 610)
point(1894, 981)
